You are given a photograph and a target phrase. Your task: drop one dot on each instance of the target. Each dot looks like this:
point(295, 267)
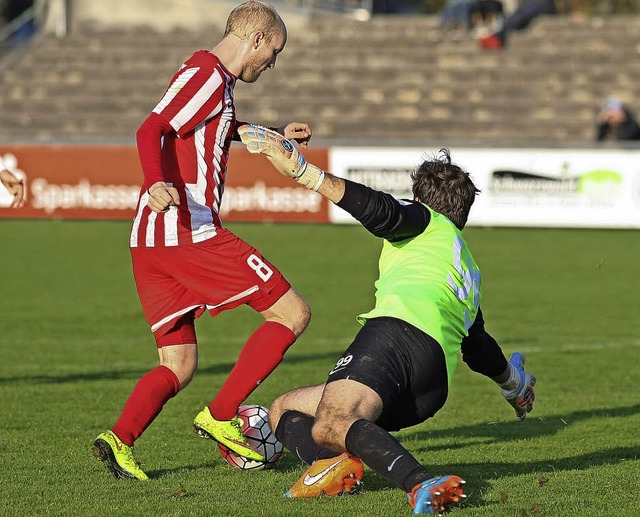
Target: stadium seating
point(391, 80)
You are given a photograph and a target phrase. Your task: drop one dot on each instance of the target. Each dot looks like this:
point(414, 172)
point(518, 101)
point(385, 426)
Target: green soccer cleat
point(226, 432)
point(117, 457)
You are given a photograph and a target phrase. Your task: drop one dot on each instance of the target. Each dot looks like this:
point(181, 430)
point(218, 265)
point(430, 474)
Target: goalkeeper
point(397, 371)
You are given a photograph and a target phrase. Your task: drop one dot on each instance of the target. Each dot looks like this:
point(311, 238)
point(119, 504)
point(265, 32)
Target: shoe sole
point(202, 433)
point(448, 492)
point(102, 452)
point(350, 485)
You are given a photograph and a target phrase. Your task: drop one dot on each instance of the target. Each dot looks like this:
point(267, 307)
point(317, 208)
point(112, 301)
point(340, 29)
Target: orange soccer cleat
point(331, 477)
point(432, 496)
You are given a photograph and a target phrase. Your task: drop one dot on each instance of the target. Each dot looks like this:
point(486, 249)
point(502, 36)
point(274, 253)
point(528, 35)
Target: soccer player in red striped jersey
point(184, 261)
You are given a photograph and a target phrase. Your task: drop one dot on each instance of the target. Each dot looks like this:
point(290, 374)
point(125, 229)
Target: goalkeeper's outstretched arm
point(332, 187)
point(378, 212)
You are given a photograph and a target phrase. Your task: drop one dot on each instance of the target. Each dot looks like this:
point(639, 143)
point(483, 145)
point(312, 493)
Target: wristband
point(311, 177)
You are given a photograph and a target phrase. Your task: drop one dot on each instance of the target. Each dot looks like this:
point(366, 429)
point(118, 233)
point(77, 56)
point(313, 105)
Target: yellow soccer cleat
point(330, 477)
point(117, 457)
point(226, 432)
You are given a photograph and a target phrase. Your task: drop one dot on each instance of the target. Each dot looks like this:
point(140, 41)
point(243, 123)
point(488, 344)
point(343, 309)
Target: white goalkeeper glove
point(282, 154)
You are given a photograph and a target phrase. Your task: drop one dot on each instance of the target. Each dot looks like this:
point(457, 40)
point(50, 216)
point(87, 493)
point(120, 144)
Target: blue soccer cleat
point(523, 395)
point(432, 496)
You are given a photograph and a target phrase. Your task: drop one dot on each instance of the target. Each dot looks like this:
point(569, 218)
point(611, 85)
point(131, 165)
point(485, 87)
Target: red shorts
point(177, 284)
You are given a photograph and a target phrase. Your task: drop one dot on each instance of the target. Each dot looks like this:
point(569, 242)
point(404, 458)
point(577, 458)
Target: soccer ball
point(255, 426)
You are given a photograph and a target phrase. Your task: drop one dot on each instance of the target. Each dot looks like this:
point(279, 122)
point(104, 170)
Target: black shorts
point(403, 365)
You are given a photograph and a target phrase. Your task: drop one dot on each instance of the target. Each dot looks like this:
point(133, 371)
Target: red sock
point(260, 355)
point(145, 403)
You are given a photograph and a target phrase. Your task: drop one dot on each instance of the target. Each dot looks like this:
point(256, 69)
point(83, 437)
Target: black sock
point(294, 432)
point(383, 453)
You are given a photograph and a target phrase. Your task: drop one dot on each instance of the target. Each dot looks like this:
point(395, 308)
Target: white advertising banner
point(572, 188)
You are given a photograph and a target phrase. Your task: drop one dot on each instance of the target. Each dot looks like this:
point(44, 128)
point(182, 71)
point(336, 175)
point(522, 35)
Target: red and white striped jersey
point(199, 106)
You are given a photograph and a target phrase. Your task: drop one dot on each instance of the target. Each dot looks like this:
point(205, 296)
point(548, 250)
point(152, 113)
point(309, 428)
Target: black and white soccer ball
point(255, 426)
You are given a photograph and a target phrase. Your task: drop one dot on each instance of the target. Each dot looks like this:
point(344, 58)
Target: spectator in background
point(396, 6)
point(456, 14)
point(520, 19)
point(14, 185)
point(12, 9)
point(470, 14)
point(616, 122)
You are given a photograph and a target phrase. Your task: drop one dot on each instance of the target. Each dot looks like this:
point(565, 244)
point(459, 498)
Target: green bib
point(432, 282)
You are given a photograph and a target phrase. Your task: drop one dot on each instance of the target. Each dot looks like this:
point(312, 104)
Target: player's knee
point(305, 315)
point(302, 317)
point(292, 311)
point(186, 378)
point(275, 412)
point(185, 371)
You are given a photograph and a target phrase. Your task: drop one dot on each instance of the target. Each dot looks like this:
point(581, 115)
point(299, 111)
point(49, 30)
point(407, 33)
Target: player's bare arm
point(332, 188)
point(15, 186)
point(161, 197)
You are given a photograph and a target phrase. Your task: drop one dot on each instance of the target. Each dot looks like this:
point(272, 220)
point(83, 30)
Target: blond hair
point(254, 16)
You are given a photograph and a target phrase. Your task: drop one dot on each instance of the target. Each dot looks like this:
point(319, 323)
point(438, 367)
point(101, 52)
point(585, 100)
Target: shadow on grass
point(215, 369)
point(479, 474)
point(161, 473)
point(501, 432)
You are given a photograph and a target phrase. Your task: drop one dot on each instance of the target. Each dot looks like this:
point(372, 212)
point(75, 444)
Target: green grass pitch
point(74, 342)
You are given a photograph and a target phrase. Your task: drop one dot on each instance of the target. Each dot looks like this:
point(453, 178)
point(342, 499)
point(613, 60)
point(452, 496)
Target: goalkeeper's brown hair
point(444, 187)
point(254, 16)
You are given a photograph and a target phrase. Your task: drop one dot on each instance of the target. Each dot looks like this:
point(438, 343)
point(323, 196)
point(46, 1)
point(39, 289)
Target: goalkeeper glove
point(282, 154)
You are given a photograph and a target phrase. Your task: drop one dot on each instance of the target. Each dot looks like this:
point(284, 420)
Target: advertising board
point(103, 182)
point(573, 188)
